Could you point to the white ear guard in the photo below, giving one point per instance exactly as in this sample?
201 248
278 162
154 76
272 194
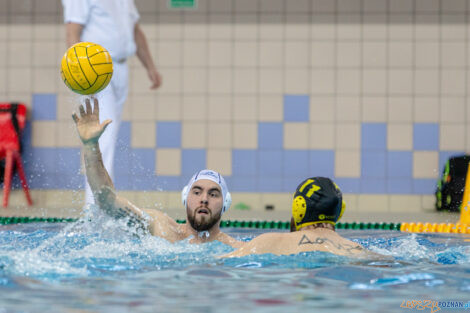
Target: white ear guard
225 207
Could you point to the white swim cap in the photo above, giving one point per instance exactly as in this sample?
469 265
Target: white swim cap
216 178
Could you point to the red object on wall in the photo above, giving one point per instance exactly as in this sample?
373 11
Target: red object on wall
10 146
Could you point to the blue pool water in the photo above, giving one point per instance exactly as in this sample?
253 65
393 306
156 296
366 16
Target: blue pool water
101 266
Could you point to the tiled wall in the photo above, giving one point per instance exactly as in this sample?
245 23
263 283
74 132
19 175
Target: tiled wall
372 93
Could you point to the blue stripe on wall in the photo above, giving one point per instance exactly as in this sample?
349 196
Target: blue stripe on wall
426 136
296 108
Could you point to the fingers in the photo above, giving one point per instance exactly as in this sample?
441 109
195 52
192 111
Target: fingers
75 117
82 110
96 107
88 106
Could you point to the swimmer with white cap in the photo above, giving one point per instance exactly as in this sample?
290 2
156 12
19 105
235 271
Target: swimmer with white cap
205 197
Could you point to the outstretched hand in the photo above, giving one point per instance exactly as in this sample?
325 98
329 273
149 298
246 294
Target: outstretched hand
88 124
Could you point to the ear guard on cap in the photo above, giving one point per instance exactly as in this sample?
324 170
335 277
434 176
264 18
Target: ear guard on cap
225 207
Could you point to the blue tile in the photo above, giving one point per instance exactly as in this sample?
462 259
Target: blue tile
400 164
374 136
269 184
143 162
193 160
144 182
296 108
68 161
124 135
400 186
44 107
289 184
426 136
169 134
348 185
123 182
270 135
244 162
270 162
373 164
296 163
243 184
70 181
424 186
445 155
169 183
123 158
373 185
45 161
322 163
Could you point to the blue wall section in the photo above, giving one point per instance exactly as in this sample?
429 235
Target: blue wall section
169 134
426 136
296 108
44 107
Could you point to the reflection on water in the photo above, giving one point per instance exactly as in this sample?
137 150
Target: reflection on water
99 265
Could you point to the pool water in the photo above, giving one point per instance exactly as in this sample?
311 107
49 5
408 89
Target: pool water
102 266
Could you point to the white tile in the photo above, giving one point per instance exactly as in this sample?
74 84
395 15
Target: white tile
374 54
195 81
348 109
280 201
454 6
427 6
3 55
168 108
426 110
245 135
348 6
271 53
400 109
297 81
243 6
324 6
323 27
194 53
172 29
405 203
143 135
453 82
322 136
245 54
245 109
347 163
220 81
168 162
143 107
400 54
426 54
348 82
322 81
427 27
21 31
44 134
348 136
19 53
296 136
426 82
373 26
219 108
271 6
452 136
400 27
19 80
139 80
453 54
220 53
323 54
271 108
322 109
298 6
3 82
296 54
67 135
425 164
245 81
4 28
220 160
221 6
373 203
348 26
194 108
374 82
169 53
270 81
219 135
45 54
220 27
195 27
271 27
399 136
351 201
400 82
375 6
297 27
452 110
374 109
453 27
246 27
172 81
194 135
348 54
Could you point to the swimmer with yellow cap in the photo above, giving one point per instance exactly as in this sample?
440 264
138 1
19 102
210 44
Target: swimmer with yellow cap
317 205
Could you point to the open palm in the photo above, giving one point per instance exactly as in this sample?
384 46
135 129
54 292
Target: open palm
88 124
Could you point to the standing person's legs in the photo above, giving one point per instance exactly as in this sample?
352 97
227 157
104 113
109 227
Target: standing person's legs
111 101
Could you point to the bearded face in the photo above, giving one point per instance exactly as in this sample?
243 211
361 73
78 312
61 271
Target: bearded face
204 205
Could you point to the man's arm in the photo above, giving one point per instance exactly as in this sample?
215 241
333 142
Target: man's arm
145 57
73 32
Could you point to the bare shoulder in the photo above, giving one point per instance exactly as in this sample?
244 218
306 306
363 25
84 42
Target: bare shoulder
161 225
229 240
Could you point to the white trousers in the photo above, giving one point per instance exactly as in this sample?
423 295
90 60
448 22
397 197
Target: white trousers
111 101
